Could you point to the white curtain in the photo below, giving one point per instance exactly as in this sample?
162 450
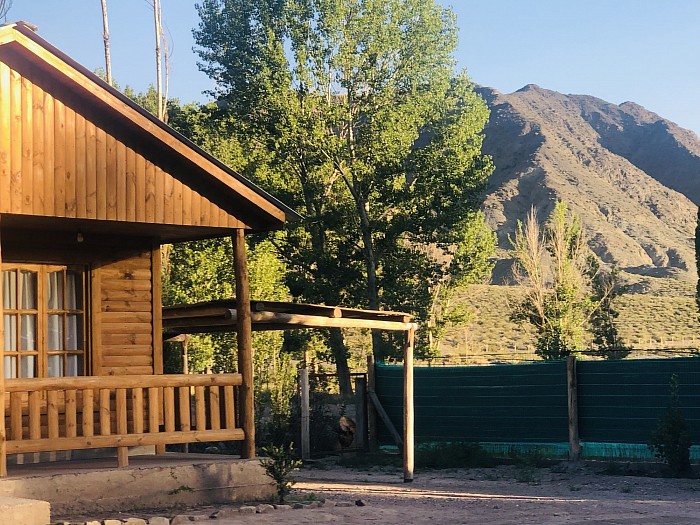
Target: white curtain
54 332
54 290
10 367
9 289
10 332
27 285
73 291
55 366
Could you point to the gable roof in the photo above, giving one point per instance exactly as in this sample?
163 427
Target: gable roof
212 194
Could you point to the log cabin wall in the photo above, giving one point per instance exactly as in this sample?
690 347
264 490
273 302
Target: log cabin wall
124 295
122 324
69 159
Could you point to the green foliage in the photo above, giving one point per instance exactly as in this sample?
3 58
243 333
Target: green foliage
606 288
559 302
279 465
670 440
360 123
471 263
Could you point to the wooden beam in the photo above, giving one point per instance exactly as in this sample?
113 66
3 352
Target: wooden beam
318 321
245 343
128 440
3 431
385 418
371 411
127 381
157 311
408 413
305 414
572 389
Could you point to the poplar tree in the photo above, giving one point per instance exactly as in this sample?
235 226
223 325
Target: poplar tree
369 132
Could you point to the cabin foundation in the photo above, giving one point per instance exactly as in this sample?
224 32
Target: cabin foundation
168 481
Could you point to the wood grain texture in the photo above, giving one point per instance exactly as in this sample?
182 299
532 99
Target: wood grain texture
59 160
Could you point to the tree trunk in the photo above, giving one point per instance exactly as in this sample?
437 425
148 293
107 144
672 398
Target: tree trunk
371 267
159 76
105 37
340 353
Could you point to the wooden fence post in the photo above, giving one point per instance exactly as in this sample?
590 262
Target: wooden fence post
245 345
361 413
371 411
305 412
3 431
408 415
572 389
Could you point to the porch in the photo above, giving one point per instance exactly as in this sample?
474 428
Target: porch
164 481
77 413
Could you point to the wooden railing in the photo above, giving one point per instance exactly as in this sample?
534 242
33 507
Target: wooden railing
108 411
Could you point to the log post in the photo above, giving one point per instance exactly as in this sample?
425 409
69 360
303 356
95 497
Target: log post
408 416
572 388
371 411
361 413
305 414
3 433
245 343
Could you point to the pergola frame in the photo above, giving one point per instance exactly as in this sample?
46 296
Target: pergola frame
230 315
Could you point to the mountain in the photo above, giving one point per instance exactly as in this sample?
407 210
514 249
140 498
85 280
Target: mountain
632 176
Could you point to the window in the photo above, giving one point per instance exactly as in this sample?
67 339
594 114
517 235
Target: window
44 320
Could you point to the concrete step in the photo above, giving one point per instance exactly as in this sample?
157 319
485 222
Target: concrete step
21 511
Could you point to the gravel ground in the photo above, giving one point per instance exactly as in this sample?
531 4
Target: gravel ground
565 495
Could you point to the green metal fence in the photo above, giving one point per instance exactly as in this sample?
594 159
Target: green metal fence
521 405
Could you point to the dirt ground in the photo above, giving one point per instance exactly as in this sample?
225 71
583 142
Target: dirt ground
560 495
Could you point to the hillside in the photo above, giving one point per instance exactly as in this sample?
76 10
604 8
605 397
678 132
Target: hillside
631 176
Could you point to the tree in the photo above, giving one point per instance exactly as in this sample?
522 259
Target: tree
5 6
607 287
367 131
105 37
670 440
558 302
464 269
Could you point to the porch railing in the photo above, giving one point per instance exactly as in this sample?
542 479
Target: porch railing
76 413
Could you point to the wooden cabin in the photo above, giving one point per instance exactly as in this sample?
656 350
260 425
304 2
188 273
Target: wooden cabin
91 185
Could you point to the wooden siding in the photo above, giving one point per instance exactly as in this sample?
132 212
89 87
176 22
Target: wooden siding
122 293
58 159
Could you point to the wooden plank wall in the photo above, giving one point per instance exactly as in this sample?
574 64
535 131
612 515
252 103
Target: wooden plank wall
123 317
55 161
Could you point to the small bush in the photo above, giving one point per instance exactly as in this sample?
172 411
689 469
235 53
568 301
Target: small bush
670 440
279 465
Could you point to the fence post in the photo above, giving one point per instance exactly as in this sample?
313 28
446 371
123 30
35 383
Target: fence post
408 415
305 438
361 413
572 389
371 411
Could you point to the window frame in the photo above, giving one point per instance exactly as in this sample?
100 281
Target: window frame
42 312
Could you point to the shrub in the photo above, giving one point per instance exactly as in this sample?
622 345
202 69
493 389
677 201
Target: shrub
279 465
670 440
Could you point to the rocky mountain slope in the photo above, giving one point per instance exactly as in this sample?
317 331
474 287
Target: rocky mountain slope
632 176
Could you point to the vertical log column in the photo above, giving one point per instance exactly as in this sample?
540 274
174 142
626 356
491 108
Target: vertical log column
245 344
305 414
371 411
408 417
572 388
3 433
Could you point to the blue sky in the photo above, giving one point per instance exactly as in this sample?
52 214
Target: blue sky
646 51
